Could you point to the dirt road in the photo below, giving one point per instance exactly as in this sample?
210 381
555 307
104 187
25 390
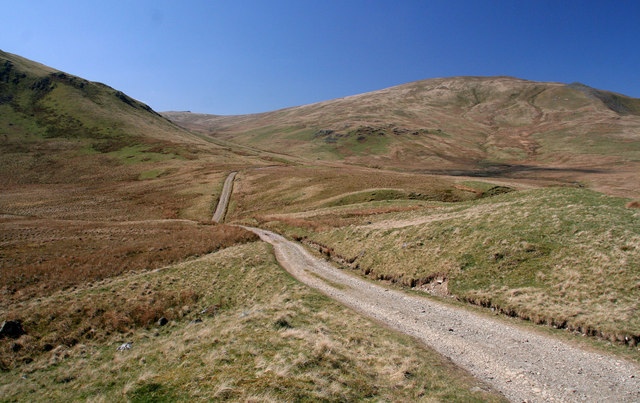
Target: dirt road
520 363
221 208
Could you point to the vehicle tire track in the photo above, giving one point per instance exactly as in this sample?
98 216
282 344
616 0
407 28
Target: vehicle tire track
520 363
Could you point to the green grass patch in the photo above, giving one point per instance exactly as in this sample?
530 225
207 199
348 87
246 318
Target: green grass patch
561 256
139 153
152 174
152 392
262 336
331 283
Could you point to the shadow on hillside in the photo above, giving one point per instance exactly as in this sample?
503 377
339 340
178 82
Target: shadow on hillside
509 171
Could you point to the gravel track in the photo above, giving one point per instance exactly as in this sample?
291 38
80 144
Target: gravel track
522 364
221 208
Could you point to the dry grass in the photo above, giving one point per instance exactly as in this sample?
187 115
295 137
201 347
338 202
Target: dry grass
563 257
40 256
281 190
329 220
491 126
93 186
73 217
263 336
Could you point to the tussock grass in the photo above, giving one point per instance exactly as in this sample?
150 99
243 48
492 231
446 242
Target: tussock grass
280 190
478 126
562 257
263 337
40 256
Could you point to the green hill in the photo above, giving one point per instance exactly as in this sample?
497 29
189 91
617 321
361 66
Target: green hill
50 119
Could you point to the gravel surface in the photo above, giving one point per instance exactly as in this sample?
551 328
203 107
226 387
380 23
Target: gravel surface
221 208
520 363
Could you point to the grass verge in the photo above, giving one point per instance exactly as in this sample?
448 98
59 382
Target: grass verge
252 333
563 257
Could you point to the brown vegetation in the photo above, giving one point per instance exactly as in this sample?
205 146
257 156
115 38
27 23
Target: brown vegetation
239 328
40 256
277 191
323 222
472 126
381 210
61 325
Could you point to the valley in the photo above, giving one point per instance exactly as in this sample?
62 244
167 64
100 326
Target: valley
508 201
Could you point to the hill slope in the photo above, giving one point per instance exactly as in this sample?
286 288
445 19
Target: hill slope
37 100
96 189
476 126
81 164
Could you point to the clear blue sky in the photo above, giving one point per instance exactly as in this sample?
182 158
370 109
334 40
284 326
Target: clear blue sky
231 57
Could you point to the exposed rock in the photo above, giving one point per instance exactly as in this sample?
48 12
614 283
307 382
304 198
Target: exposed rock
633 204
12 329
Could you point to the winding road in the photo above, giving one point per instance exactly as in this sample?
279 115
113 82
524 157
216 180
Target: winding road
522 364
221 208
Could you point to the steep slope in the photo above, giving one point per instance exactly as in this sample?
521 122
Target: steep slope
37 100
49 120
477 126
94 183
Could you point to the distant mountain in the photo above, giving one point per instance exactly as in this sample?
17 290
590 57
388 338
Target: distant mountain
462 125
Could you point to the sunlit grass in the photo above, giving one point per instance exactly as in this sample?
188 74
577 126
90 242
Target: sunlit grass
263 336
565 257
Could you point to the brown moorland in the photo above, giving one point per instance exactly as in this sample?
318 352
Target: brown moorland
96 188
96 191
499 127
94 185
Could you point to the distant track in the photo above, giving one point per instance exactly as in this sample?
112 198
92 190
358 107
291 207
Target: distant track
522 364
221 208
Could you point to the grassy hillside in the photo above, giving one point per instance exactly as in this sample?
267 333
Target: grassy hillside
282 189
475 126
39 102
97 191
562 257
83 170
240 329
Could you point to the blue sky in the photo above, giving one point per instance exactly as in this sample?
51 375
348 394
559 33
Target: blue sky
232 57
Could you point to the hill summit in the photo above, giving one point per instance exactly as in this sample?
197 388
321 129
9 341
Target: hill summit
477 126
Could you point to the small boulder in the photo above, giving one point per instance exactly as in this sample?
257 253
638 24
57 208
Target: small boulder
12 329
125 346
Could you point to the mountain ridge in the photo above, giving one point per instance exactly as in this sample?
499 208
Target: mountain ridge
39 100
451 125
